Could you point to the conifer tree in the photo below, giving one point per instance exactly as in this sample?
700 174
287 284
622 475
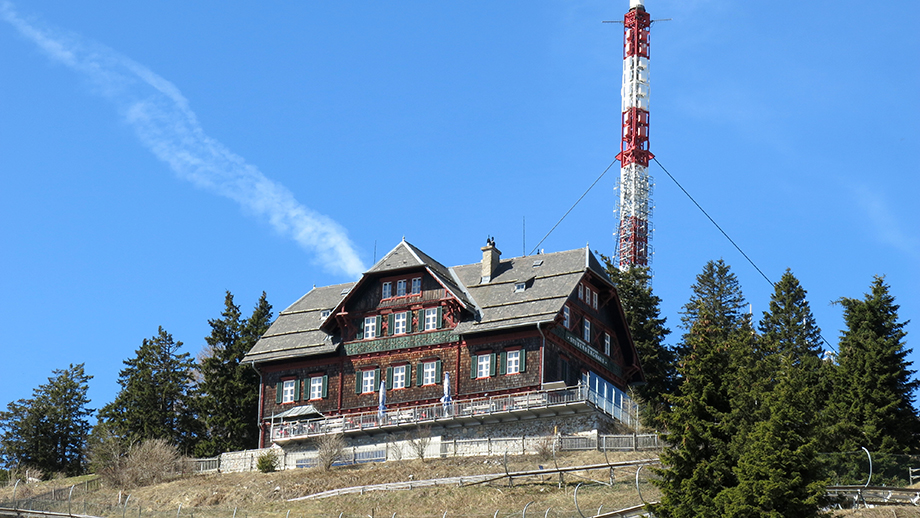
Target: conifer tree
648 330
716 293
776 464
230 389
49 431
156 400
699 466
872 400
788 330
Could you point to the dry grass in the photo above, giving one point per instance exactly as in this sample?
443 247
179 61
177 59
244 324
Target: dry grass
257 495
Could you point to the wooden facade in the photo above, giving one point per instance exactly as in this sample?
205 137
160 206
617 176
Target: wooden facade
492 328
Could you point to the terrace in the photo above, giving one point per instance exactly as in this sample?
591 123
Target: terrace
493 409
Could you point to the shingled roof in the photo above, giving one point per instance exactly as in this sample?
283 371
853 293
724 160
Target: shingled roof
296 332
549 280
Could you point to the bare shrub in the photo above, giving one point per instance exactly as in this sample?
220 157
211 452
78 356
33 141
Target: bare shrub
329 448
150 462
419 439
545 447
394 451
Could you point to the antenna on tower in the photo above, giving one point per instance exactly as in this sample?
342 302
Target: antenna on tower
634 186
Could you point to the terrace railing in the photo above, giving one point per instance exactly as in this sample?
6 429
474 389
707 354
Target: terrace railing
439 412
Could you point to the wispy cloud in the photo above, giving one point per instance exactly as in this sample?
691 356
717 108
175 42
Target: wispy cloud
161 117
887 227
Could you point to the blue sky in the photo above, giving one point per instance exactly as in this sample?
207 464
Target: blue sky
156 155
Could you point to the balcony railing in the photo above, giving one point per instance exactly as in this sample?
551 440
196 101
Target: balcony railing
478 408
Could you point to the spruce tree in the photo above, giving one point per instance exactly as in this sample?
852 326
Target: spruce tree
776 460
872 400
716 293
156 400
648 330
49 431
788 331
699 465
230 389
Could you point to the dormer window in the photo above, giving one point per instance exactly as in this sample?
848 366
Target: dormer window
401 288
387 290
324 314
519 287
416 285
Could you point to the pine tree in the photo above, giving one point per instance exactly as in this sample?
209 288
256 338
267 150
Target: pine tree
230 389
716 293
788 330
788 324
49 430
647 327
700 464
872 400
156 400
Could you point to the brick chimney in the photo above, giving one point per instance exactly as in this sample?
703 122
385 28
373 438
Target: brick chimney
490 258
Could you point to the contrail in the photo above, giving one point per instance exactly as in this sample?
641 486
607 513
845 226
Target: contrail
163 122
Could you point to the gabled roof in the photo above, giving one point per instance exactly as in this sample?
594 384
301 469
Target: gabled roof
549 281
405 256
296 332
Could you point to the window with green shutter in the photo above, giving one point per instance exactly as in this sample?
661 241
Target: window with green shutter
389 378
492 363
440 317
502 362
296 390
279 388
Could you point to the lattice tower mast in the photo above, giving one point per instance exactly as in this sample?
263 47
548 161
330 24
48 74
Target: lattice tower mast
634 185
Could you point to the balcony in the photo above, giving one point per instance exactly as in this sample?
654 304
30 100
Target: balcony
495 409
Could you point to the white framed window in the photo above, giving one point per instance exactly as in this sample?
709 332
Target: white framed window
483 365
513 362
594 296
316 387
587 295
431 319
587 331
566 321
387 290
416 285
399 323
401 288
520 286
581 293
429 373
368 381
399 377
607 344
287 393
370 327
324 314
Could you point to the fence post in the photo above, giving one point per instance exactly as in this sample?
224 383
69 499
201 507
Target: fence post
523 445
490 446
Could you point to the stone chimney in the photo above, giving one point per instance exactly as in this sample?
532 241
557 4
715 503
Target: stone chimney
490 258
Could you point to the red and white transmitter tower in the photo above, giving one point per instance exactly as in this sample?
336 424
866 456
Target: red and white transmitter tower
634 204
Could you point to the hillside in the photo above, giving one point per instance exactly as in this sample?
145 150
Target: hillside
258 494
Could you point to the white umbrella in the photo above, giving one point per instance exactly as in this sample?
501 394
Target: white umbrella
446 398
382 408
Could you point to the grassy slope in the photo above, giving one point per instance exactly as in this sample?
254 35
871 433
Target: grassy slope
258 494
